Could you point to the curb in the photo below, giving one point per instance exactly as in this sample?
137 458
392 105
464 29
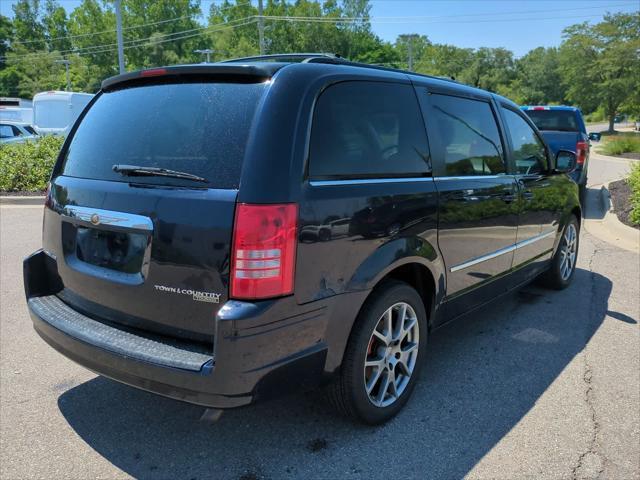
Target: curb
610 229
22 200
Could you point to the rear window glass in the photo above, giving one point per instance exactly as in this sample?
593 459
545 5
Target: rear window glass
559 120
365 129
195 128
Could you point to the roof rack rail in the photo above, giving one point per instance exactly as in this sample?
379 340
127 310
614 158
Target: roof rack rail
288 57
332 58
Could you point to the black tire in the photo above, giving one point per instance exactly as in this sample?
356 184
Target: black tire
554 277
348 393
324 235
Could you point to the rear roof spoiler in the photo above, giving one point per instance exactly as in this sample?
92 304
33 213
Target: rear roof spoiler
247 73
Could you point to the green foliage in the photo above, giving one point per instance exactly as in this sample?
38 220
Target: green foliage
538 78
26 167
596 116
622 144
634 182
600 64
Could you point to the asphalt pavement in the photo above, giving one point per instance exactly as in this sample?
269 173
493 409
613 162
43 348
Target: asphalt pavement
543 384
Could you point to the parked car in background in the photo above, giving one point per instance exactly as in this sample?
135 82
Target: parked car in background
16 132
180 254
16 109
563 128
54 112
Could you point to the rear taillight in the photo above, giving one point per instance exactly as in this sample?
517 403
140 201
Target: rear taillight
581 152
264 250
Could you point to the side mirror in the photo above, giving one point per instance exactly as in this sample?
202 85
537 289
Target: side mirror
595 136
566 161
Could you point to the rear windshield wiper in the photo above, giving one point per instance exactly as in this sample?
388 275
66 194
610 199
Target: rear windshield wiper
139 171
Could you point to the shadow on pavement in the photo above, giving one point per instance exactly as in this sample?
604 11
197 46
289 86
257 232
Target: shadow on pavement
484 373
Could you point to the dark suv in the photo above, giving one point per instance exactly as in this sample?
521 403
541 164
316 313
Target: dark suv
223 233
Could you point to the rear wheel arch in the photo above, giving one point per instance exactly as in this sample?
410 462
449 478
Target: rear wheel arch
420 278
416 275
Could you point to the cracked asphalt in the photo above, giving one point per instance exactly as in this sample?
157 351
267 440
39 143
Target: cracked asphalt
542 384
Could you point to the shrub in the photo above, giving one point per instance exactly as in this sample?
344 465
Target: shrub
621 144
634 182
26 167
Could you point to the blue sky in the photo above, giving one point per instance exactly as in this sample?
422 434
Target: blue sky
517 25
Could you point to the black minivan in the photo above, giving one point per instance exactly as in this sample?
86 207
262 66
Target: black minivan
223 233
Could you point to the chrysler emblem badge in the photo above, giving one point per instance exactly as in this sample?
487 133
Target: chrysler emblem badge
95 219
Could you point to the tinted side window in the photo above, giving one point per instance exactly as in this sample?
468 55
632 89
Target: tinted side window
6 131
529 153
367 129
467 135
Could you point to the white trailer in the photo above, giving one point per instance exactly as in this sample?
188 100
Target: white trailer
54 112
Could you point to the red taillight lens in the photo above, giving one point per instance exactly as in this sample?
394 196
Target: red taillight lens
581 152
264 250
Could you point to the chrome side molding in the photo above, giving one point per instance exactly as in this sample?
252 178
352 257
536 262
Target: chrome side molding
502 251
366 181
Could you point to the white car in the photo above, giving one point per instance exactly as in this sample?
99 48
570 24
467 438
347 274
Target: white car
16 132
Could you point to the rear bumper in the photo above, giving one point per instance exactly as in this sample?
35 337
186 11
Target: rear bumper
261 349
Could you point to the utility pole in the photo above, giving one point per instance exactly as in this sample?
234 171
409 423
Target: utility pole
119 36
66 64
409 38
261 26
206 51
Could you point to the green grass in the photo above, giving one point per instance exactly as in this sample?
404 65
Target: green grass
634 182
26 167
621 143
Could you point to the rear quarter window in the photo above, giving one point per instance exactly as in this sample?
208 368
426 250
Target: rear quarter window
197 128
366 130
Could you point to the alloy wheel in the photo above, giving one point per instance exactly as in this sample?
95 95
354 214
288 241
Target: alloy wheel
568 251
391 354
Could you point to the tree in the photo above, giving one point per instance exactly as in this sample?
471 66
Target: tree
27 27
490 68
55 26
153 31
6 33
445 60
537 78
415 44
600 63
